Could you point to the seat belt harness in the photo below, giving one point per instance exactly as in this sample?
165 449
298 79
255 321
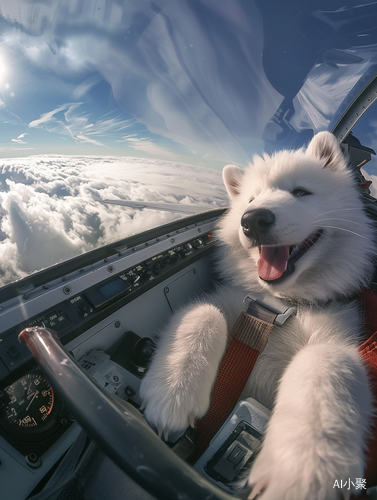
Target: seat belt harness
248 338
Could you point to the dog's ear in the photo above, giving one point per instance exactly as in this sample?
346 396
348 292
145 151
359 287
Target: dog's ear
325 147
232 177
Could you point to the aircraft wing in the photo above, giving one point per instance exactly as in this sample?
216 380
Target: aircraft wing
167 207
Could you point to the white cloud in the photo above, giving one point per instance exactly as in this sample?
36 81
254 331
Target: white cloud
87 139
19 139
147 146
69 119
48 117
85 86
51 208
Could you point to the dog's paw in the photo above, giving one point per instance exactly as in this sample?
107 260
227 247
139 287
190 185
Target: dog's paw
304 470
171 407
176 389
274 479
277 478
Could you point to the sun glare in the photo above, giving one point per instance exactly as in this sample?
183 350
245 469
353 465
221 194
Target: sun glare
4 73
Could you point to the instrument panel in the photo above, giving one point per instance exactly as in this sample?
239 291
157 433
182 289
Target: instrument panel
31 416
72 316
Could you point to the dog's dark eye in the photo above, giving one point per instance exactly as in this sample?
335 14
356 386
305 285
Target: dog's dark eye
299 192
251 199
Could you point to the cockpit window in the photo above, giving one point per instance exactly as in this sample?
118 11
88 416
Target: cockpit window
141 101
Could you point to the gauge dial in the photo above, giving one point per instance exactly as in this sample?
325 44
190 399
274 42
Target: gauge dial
31 401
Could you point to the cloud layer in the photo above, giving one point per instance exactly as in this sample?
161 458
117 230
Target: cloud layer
50 208
50 205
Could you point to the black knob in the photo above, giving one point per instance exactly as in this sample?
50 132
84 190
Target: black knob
133 278
83 309
142 353
197 243
173 257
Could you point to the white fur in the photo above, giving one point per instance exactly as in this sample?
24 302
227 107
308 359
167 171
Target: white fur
178 385
310 372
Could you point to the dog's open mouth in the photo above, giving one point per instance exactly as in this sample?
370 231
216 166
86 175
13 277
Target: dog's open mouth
278 262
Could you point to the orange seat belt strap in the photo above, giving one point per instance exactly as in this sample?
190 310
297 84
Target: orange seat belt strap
368 351
248 338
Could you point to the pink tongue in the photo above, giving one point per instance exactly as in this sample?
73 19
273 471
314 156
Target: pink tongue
272 262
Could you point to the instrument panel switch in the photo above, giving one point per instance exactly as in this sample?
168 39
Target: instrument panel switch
129 391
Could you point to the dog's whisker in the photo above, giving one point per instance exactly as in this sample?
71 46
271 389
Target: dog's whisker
236 210
347 230
338 210
338 218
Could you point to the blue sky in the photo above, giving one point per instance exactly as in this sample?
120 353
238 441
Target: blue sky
72 81
55 95
41 113
185 81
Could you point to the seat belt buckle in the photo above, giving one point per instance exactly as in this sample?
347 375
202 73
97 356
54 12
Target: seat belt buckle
234 447
269 308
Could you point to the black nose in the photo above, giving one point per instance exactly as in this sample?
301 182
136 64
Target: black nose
256 223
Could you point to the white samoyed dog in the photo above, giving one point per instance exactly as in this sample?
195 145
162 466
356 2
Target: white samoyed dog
296 229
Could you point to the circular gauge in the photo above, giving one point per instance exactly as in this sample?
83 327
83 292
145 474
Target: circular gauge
31 400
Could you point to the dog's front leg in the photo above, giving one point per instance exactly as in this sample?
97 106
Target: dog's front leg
318 428
176 389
